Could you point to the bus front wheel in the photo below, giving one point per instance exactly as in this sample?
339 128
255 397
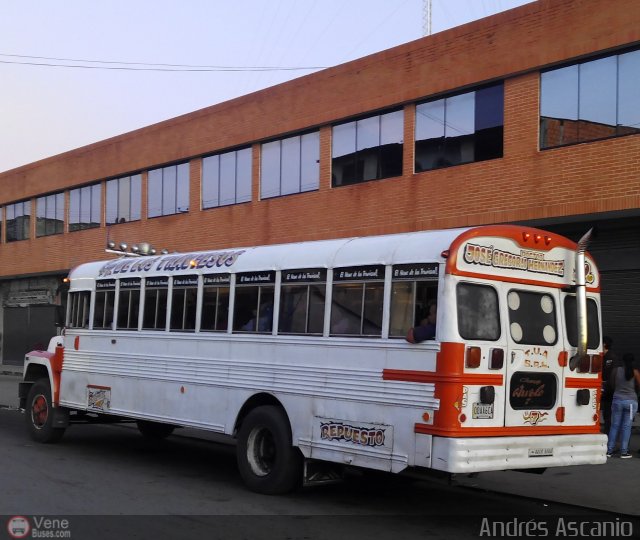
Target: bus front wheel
268 462
40 413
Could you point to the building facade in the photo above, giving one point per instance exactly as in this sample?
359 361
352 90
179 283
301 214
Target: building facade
529 116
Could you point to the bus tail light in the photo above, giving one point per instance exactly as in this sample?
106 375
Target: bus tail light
583 396
472 360
596 363
496 360
487 395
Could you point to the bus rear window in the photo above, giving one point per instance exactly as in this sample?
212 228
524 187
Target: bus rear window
593 324
532 318
478 314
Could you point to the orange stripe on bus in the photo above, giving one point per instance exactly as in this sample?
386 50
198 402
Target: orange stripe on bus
433 377
56 368
575 382
499 431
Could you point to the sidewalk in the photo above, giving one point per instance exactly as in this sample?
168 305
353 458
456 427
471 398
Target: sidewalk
612 487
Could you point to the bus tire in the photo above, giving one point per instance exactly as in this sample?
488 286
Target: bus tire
268 462
154 431
39 413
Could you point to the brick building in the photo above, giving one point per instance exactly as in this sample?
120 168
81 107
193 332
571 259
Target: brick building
528 116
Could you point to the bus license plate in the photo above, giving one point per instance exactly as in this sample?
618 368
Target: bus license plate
540 452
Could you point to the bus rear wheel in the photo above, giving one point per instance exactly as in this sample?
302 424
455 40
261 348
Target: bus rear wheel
267 461
40 414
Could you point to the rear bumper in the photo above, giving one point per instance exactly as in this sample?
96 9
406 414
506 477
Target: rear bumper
473 454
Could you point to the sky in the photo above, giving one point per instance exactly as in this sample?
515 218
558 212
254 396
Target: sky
142 60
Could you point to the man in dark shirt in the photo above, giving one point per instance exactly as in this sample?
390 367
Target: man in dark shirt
427 327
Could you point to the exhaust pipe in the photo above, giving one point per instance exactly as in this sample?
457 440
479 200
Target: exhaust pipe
581 301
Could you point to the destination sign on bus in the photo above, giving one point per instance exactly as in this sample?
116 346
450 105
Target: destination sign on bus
526 260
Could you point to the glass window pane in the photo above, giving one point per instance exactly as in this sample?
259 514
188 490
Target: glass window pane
290 181
593 323
478 313
489 123
243 175
460 115
344 139
154 195
265 309
245 309
310 161
270 170
293 309
315 323
96 209
372 312
210 181
177 309
402 308
629 92
59 213
559 106
50 215
74 209
124 199
532 318
346 309
392 128
136 197
227 178
597 98
111 213
169 185
85 207
368 133
182 202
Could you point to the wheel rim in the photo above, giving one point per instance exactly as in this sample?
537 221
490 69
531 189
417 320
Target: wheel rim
261 451
39 411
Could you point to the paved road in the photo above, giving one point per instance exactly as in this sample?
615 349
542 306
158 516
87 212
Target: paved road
189 488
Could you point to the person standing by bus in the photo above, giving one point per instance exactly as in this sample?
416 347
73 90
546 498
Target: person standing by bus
610 360
624 380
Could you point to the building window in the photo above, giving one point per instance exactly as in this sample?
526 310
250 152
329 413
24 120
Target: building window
18 221
592 100
124 199
302 299
290 165
367 149
168 190
460 129
356 302
226 178
50 215
85 207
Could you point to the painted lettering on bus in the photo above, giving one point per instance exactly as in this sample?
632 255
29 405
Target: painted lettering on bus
526 260
172 263
338 431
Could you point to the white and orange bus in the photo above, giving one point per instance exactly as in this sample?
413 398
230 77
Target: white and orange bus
299 352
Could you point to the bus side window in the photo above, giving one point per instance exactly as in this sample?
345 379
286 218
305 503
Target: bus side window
79 315
128 304
105 299
254 296
410 297
184 300
302 300
215 309
155 304
357 302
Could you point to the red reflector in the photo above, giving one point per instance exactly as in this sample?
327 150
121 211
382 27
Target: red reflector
76 343
497 359
562 358
473 357
445 254
463 418
560 414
